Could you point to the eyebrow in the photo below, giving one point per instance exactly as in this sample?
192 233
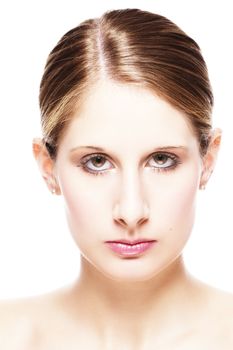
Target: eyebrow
103 150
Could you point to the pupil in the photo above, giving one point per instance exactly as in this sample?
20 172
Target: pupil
161 158
98 160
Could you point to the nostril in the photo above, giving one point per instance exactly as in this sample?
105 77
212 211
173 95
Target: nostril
132 224
142 220
121 221
131 217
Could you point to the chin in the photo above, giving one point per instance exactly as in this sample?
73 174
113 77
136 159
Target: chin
132 270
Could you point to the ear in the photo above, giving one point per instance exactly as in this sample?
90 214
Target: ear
210 158
45 164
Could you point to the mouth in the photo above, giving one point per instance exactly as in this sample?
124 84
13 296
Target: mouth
132 242
130 248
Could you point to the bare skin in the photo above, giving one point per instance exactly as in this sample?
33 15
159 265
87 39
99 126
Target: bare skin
188 314
147 302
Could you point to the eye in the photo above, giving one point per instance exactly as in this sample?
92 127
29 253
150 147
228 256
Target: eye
96 164
164 161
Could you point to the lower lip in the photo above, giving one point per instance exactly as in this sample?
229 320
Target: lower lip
130 250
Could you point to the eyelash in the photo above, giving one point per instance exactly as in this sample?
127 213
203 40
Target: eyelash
171 156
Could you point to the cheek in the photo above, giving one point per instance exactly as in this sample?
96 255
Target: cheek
80 210
174 197
177 205
83 206
172 203
182 200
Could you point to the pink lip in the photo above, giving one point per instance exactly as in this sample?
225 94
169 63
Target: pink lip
126 241
127 249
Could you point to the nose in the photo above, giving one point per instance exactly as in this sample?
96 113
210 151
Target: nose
131 209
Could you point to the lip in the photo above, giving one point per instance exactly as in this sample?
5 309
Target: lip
123 248
127 241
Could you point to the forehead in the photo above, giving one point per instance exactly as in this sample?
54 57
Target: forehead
113 113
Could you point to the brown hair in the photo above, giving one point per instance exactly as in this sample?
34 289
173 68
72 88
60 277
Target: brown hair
128 46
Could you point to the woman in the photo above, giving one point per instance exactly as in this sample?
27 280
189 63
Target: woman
126 107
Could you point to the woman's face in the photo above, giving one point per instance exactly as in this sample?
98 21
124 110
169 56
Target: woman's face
142 184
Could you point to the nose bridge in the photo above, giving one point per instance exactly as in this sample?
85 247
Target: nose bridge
131 207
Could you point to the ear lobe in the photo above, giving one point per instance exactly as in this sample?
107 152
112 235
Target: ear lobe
45 164
210 158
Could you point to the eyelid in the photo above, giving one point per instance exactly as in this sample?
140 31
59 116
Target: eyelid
159 150
93 155
88 157
172 156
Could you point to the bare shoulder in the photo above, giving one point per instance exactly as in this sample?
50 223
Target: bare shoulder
15 325
224 306
222 303
218 316
21 320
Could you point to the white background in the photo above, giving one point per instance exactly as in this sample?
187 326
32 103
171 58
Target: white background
37 253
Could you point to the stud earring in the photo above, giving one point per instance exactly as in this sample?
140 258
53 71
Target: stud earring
53 190
202 187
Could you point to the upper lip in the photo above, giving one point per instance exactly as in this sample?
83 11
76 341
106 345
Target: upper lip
126 241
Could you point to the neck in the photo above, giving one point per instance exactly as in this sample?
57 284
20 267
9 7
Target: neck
112 295
136 306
